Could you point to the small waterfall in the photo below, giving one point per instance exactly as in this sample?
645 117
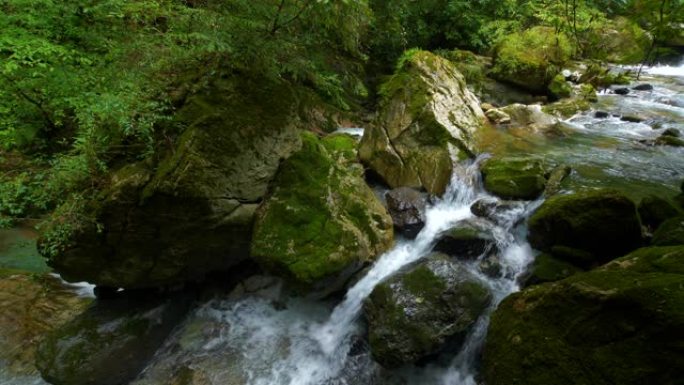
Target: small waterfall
307 342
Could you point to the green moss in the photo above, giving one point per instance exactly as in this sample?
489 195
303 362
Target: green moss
546 268
532 58
612 325
566 108
670 233
559 87
321 217
514 178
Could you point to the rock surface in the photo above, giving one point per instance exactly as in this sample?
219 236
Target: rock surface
670 232
514 178
111 342
426 116
654 210
417 312
321 222
467 240
407 208
619 324
586 228
531 117
193 212
32 306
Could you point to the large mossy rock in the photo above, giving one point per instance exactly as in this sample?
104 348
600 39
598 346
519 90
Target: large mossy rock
321 222
546 268
111 342
654 210
514 178
670 232
622 323
531 59
426 116
190 214
586 228
32 306
419 311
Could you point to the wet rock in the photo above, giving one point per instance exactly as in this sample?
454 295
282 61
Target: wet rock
422 309
643 87
495 210
670 232
111 342
491 266
632 118
654 210
407 208
567 108
321 222
468 239
426 109
671 132
32 306
497 116
621 91
530 116
546 268
514 178
601 114
597 225
193 212
618 324
556 177
487 106
668 140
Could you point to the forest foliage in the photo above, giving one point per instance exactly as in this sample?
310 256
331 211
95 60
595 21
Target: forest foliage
84 83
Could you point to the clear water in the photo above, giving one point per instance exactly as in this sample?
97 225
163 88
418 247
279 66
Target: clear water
264 335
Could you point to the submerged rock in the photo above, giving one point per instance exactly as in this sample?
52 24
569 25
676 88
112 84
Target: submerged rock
669 140
619 324
192 213
514 178
32 306
643 87
111 342
586 228
321 222
468 240
407 208
419 311
670 233
426 115
621 91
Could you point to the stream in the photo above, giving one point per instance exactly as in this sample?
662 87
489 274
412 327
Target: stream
262 334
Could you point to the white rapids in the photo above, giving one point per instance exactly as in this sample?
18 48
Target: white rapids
305 342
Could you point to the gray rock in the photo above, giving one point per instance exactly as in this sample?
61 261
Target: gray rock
643 87
468 239
407 208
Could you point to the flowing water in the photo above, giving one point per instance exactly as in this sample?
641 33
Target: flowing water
302 342
262 334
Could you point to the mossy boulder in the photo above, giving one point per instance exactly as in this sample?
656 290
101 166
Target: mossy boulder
32 306
559 87
530 59
467 239
670 232
567 108
618 324
321 222
419 311
514 178
427 117
654 210
546 268
586 228
190 214
112 341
